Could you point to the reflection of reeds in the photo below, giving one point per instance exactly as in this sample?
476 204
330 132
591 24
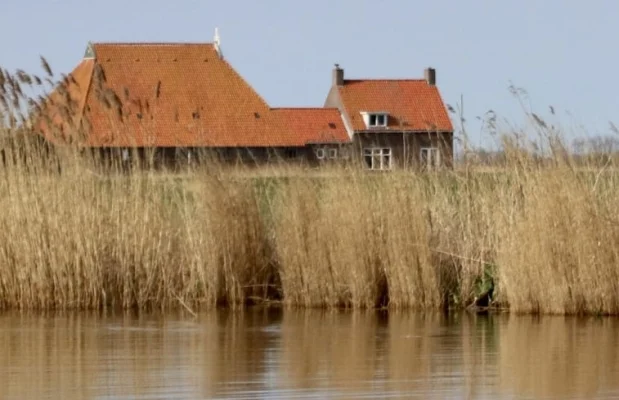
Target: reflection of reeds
541 230
75 357
328 349
558 357
423 355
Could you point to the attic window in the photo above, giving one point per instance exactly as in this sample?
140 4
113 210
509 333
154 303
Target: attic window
331 125
256 115
377 120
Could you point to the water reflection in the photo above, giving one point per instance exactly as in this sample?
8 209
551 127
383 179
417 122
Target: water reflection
318 354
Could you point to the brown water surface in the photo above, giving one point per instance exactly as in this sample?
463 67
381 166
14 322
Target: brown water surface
307 354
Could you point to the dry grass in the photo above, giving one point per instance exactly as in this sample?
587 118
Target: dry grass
541 234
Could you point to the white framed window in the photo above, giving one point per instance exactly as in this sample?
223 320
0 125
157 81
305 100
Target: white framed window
332 154
377 158
125 154
430 157
320 153
377 120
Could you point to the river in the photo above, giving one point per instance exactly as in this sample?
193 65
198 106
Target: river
274 354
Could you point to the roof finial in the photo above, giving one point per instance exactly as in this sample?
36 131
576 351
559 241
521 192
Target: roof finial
217 42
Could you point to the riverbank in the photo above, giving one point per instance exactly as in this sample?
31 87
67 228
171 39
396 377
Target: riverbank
531 238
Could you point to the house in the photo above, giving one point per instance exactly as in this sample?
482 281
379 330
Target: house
175 102
396 123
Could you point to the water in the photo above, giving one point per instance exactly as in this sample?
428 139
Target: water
307 354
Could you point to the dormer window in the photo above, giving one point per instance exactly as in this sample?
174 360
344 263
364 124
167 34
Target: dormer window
375 119
378 120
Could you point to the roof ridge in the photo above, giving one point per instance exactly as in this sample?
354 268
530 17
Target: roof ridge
153 43
386 80
304 108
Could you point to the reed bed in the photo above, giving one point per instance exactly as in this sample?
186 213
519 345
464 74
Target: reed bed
533 235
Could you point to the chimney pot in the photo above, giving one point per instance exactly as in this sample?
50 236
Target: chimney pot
430 75
338 76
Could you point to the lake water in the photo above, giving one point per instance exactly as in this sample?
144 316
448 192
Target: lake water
307 354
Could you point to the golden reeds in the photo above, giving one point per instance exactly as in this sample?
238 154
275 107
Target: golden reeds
537 234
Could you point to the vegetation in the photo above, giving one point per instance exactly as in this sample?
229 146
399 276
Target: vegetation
536 235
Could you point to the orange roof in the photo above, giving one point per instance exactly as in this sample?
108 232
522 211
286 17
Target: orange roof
176 95
412 105
64 106
312 125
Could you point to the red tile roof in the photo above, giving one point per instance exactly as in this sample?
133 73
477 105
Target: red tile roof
412 105
312 125
63 106
180 95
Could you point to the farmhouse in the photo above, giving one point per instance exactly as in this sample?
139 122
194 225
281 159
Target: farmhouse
178 101
394 122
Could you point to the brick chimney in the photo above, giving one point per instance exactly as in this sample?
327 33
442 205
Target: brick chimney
430 75
338 76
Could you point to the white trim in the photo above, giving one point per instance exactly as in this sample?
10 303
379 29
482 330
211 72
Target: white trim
332 153
347 125
320 153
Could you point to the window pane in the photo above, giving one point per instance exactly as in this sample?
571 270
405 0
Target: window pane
368 161
372 120
376 162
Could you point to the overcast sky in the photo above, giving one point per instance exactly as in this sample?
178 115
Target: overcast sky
563 53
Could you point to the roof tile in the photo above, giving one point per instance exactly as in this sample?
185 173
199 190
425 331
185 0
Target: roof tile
303 126
412 104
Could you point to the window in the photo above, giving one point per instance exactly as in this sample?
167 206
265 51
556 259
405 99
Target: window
125 155
290 153
320 153
377 158
378 120
332 154
430 157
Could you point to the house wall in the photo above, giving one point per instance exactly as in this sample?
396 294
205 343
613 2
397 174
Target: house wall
405 150
405 147
330 154
178 158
